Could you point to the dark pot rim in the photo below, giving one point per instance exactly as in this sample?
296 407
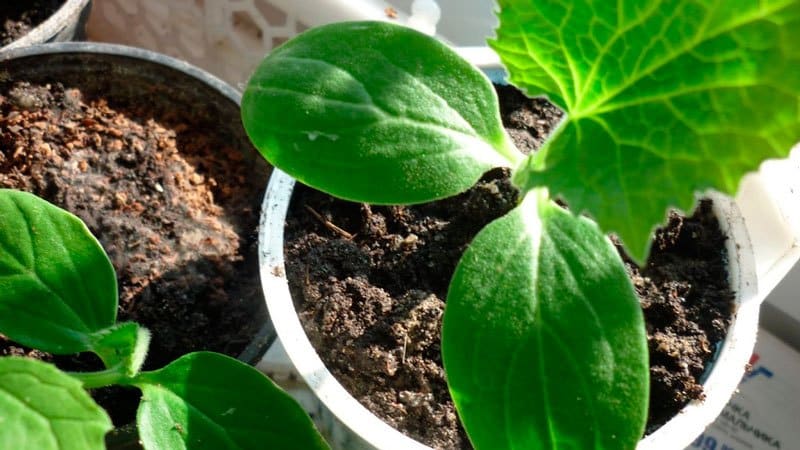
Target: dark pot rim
266 335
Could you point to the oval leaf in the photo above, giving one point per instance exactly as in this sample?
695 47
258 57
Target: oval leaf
57 285
663 98
376 112
43 408
206 400
543 337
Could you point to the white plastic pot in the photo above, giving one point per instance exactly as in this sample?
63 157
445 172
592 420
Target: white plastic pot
350 425
66 24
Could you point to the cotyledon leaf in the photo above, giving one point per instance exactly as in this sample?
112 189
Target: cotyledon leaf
206 400
543 338
664 98
43 408
57 286
376 112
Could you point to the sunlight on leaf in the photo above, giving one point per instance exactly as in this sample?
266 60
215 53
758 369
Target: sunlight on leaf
57 285
543 338
206 400
379 113
43 408
663 99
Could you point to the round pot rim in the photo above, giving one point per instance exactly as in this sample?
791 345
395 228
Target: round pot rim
266 335
104 48
720 383
70 11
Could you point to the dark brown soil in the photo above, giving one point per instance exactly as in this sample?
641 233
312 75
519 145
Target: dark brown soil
21 16
372 304
174 205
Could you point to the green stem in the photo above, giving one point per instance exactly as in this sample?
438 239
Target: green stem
102 378
526 175
523 177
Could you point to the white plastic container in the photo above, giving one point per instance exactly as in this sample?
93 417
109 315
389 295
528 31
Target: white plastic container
66 24
763 414
351 426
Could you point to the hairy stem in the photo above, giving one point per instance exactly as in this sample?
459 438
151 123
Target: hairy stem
108 377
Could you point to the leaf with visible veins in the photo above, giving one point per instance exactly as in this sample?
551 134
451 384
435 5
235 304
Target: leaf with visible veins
663 99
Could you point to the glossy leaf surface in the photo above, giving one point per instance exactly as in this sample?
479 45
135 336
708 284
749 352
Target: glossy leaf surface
543 337
664 98
210 401
57 285
43 408
376 112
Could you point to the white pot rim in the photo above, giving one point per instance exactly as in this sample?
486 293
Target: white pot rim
290 331
68 13
678 433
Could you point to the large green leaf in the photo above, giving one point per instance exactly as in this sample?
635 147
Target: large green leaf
43 408
543 338
210 401
57 285
375 112
663 98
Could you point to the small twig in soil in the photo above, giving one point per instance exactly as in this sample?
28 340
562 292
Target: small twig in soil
330 225
405 345
367 212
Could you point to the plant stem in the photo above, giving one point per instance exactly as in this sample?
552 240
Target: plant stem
102 378
526 175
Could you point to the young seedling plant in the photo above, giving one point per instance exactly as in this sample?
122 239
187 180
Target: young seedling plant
58 294
543 339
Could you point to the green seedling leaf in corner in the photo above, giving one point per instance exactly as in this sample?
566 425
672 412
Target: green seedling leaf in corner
44 409
557 348
58 294
210 401
663 99
58 286
379 113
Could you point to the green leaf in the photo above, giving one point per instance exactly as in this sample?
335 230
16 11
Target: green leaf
663 98
43 408
57 285
123 345
543 338
376 112
210 401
